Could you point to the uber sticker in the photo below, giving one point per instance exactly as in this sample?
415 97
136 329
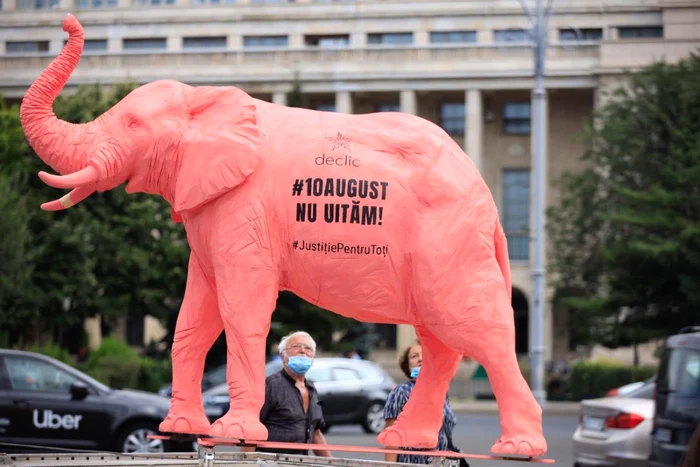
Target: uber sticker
54 421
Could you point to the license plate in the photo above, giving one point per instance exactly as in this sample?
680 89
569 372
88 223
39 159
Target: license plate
663 435
593 423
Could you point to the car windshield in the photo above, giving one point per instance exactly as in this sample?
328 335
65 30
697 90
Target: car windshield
679 372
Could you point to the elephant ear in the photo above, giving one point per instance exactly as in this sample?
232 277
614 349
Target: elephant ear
219 148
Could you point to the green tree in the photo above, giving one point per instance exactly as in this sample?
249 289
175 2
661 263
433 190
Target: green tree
296 97
115 254
626 234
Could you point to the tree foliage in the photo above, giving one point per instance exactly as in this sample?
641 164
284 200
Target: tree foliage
626 234
115 255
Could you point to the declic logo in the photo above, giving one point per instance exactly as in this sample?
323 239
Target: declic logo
340 161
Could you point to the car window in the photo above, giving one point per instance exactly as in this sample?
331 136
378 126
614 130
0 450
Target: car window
29 374
346 374
216 376
689 376
679 372
646 391
319 374
370 372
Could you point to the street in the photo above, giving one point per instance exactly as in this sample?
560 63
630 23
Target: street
474 433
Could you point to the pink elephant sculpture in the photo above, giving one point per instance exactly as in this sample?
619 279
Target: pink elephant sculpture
379 217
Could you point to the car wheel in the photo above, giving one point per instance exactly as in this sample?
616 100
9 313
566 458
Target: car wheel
134 438
374 418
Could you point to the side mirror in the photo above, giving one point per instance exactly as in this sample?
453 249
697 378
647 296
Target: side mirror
79 390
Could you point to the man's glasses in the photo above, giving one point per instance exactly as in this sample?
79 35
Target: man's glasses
299 348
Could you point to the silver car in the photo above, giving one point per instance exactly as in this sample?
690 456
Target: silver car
616 431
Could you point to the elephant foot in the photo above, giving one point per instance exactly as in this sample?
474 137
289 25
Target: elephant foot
186 422
522 445
238 426
399 437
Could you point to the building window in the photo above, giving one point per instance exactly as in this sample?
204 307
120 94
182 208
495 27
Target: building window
18 47
325 107
152 2
37 4
95 3
329 41
92 45
510 35
453 117
638 32
145 44
452 37
390 38
516 118
586 34
265 41
516 212
204 42
387 108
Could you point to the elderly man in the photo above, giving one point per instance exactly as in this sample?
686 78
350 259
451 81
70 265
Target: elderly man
288 417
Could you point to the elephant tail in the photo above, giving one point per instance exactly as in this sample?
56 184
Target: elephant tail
501 244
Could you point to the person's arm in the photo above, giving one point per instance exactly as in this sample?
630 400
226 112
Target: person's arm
388 457
318 438
392 408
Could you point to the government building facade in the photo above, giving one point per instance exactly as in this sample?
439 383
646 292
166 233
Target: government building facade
465 65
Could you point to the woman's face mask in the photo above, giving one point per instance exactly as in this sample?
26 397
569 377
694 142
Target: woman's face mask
414 372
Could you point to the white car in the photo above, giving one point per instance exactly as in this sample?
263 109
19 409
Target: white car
616 431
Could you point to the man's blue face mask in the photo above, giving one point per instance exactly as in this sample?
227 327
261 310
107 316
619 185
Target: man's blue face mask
299 364
414 372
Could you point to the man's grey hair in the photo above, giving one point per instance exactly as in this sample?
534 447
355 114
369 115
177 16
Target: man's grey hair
283 343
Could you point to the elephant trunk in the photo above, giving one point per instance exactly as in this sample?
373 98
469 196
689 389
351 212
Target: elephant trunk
58 143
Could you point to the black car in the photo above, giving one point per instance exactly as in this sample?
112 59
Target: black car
44 402
210 379
677 409
353 391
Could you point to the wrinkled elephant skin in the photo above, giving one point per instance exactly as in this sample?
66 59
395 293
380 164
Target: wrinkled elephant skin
379 217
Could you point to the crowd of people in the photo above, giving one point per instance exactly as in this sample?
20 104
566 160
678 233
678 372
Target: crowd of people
289 418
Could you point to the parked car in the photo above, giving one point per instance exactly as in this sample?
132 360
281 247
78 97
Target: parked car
353 391
616 431
677 411
627 388
48 403
210 379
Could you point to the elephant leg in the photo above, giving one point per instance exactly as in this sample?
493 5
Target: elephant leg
482 326
198 326
420 420
247 299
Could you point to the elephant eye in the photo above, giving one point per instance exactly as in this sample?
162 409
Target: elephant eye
133 123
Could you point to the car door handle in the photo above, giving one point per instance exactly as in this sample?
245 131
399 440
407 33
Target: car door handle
21 402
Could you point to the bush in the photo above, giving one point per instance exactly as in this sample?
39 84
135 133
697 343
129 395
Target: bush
115 364
590 380
52 350
153 374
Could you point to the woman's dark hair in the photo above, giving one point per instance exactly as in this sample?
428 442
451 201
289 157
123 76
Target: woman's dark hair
403 360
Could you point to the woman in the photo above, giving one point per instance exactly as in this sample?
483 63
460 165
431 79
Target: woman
410 363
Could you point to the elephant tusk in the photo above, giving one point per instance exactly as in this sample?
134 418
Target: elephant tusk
69 200
83 176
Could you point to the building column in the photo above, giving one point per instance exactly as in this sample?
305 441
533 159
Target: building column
474 142
279 98
343 102
405 336
8 5
93 329
408 102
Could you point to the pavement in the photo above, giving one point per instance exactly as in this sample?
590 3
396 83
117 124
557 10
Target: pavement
490 407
